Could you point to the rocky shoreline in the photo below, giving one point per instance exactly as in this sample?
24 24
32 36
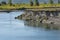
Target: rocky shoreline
38 17
42 18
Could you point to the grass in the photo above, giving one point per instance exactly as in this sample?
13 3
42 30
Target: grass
16 6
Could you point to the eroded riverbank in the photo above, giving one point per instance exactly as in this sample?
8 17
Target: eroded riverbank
52 18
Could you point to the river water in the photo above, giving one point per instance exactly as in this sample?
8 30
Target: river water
14 29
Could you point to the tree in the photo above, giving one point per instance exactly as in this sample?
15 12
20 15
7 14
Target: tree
0 4
10 2
3 2
58 1
51 1
31 3
36 3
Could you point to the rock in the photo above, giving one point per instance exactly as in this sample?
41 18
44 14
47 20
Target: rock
38 17
52 23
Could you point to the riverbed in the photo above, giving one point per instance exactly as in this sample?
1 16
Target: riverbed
14 29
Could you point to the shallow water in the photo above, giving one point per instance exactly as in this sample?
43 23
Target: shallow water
14 29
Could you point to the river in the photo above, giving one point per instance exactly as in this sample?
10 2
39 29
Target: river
14 29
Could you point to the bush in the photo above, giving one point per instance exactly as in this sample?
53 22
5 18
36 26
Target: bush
36 3
3 2
31 3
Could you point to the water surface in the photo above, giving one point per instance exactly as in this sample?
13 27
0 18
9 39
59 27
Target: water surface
14 29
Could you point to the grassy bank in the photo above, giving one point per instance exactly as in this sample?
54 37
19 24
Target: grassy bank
17 6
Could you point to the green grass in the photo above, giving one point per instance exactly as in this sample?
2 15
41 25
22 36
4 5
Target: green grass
16 6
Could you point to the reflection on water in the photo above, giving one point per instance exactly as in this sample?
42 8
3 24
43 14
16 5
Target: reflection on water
40 25
14 29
